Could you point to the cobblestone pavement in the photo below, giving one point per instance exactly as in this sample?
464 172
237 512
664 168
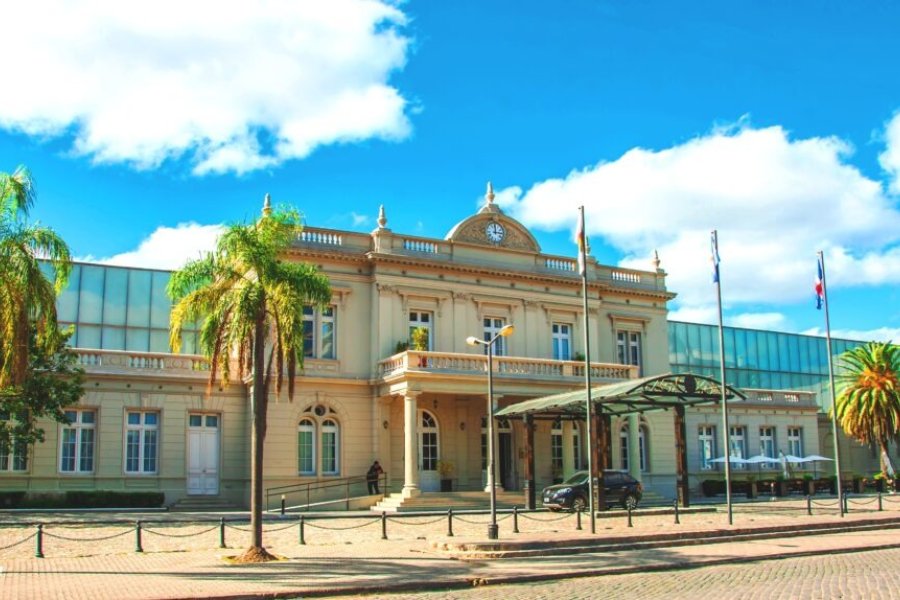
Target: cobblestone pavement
873 575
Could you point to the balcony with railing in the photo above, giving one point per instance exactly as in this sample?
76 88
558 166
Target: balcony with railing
156 363
505 366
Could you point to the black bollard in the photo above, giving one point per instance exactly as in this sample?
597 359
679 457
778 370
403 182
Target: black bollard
578 520
880 507
809 505
282 505
846 505
450 523
137 538
515 519
677 519
39 542
302 538
383 525
222 532
628 508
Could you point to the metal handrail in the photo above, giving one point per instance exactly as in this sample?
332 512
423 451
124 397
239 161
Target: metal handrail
309 487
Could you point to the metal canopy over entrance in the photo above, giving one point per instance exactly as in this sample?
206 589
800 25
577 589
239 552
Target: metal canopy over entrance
660 392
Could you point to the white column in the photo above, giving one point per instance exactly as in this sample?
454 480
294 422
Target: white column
497 479
634 446
410 446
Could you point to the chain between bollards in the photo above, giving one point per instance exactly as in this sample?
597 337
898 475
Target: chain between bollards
450 522
383 525
677 519
222 532
578 520
137 538
39 542
302 538
515 519
808 505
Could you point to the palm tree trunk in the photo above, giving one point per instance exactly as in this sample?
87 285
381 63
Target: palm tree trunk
887 466
258 434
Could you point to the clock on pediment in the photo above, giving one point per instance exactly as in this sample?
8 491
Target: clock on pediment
495 232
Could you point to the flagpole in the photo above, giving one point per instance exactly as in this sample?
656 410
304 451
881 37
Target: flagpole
834 423
725 431
582 265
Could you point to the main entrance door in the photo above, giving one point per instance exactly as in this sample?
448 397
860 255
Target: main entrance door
429 451
203 454
505 467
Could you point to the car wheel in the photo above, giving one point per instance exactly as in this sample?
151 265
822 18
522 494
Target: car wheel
629 501
579 504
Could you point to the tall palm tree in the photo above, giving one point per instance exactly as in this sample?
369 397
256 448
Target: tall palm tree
27 297
868 402
250 301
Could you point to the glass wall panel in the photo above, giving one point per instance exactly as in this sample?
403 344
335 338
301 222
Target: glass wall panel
88 336
139 298
730 362
115 297
694 353
740 348
67 301
113 338
137 340
160 305
159 341
90 303
709 344
753 349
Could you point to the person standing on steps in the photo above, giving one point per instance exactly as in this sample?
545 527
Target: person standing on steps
372 477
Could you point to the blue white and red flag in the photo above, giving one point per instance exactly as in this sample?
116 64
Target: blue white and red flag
819 286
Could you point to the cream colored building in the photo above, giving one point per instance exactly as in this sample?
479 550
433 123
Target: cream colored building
148 422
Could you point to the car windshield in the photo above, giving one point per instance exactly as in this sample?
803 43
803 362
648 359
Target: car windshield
578 478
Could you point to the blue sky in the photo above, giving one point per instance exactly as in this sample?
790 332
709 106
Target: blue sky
146 125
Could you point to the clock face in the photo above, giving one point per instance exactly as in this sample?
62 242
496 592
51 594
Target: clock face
495 232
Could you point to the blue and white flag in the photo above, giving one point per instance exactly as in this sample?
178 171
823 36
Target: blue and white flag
714 256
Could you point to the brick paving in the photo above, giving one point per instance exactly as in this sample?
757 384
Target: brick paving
348 556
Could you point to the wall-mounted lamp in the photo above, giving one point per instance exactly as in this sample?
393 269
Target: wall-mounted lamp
462 426
385 424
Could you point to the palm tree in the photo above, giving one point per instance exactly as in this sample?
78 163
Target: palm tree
27 297
868 403
250 302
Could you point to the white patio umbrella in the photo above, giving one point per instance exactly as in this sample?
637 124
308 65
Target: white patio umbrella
814 458
735 460
759 460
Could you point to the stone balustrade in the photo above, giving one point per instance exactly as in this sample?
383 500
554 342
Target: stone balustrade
116 360
508 366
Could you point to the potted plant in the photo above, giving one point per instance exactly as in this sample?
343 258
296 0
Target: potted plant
445 469
419 342
402 346
879 482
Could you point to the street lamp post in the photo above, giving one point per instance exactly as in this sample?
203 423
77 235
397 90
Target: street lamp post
493 531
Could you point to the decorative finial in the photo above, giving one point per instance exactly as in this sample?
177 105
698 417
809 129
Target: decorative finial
656 259
267 206
382 220
490 193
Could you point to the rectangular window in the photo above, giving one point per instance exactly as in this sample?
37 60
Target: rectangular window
13 454
562 340
141 442
738 444
767 441
76 453
419 319
556 448
707 437
795 441
492 326
319 332
628 348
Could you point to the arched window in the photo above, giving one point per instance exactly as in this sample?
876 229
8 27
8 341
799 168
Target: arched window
306 447
330 447
428 442
642 441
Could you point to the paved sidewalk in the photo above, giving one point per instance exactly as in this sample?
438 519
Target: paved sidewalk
362 563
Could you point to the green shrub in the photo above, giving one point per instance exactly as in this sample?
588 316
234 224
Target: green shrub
93 499
11 499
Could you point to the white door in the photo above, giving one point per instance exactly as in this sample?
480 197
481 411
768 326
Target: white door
203 455
429 481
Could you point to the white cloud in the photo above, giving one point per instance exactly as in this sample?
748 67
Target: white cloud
695 314
774 200
236 86
768 320
890 158
882 334
168 247
358 219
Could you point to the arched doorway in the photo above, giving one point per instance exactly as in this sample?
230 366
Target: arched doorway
429 452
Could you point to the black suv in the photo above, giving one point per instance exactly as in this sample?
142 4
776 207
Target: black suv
572 494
